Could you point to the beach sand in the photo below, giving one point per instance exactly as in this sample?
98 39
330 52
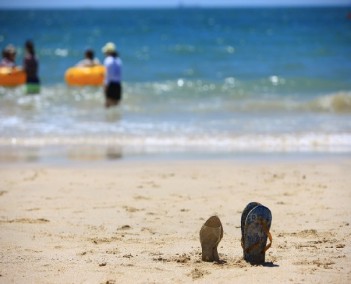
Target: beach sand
139 221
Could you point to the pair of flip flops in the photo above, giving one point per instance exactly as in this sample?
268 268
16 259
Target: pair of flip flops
256 221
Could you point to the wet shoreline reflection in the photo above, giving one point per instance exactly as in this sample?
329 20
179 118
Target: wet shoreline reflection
65 154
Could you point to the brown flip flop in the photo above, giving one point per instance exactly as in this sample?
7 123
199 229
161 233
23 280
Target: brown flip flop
211 234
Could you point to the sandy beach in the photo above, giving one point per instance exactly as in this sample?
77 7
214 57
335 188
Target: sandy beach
139 221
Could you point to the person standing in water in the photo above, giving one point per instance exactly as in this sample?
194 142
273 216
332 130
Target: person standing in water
31 67
112 85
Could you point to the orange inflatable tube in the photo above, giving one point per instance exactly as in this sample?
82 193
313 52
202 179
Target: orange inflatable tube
85 76
12 77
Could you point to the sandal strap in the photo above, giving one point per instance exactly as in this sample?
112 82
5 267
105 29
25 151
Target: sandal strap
270 242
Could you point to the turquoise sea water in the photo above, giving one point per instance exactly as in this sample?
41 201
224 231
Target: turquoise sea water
211 80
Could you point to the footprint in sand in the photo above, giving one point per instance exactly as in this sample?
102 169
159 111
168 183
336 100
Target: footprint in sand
197 273
132 209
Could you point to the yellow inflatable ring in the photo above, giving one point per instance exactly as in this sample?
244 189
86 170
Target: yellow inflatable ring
81 76
11 77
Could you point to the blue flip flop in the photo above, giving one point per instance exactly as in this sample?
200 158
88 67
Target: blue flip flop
246 211
255 231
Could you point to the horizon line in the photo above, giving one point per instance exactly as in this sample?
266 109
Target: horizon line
180 6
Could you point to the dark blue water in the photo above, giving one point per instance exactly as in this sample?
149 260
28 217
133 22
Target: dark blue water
206 44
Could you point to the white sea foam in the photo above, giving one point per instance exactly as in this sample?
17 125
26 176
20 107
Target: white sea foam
179 115
310 142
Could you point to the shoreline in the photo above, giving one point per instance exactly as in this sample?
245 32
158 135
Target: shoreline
102 154
139 221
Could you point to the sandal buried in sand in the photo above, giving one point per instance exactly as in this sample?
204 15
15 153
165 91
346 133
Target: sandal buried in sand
211 234
255 231
246 211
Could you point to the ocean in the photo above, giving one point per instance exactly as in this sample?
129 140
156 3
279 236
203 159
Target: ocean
228 81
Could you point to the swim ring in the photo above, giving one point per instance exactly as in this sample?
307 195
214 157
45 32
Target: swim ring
81 76
11 77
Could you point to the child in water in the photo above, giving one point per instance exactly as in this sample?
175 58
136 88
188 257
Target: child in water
8 56
89 60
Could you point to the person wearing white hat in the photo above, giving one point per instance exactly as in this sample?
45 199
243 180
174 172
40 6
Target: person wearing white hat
113 75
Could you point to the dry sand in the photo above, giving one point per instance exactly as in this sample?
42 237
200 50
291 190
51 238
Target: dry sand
139 222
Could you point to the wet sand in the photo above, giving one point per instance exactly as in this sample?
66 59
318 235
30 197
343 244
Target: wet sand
139 221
